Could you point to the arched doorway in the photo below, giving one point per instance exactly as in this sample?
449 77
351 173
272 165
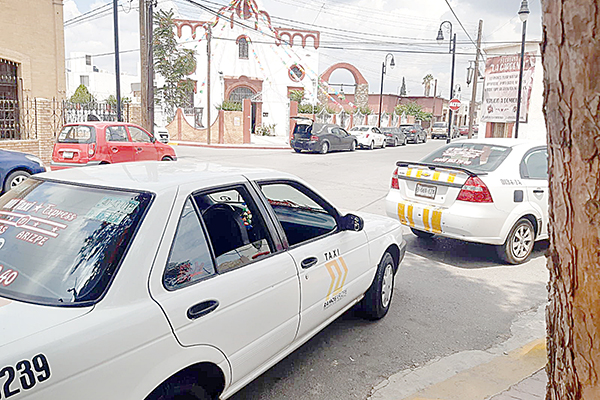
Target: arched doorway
361 94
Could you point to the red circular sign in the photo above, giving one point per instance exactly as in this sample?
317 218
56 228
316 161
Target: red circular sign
454 104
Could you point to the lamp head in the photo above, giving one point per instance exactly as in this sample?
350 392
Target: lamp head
392 64
440 35
524 11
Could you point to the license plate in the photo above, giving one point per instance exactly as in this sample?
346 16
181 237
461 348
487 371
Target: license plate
427 191
68 154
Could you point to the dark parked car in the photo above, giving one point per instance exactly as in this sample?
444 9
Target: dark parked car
394 136
320 138
414 133
15 167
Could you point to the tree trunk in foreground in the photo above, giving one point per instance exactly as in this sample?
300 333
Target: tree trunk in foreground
571 59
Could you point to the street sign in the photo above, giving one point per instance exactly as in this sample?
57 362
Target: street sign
454 104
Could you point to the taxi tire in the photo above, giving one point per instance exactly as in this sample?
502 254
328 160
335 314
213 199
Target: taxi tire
373 306
523 228
324 148
421 234
184 388
298 150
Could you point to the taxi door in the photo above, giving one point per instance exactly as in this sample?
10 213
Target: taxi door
333 264
244 302
534 172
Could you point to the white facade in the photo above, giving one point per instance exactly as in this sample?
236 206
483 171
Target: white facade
101 84
265 70
535 126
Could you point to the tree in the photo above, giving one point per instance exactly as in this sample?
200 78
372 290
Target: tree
427 83
82 95
403 88
572 109
172 63
413 109
297 95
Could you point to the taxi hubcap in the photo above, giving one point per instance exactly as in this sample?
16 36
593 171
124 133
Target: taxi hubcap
388 285
522 242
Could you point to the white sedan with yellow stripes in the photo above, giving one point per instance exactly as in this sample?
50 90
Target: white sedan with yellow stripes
158 281
492 191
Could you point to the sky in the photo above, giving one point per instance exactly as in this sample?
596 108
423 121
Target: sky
366 30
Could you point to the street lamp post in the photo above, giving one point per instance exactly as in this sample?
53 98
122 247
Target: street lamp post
523 14
452 50
382 74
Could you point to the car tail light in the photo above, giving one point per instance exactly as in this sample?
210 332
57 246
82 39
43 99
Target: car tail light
91 149
475 191
368 135
395 179
413 131
313 137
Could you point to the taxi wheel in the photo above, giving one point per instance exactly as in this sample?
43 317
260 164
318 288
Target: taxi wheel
421 234
324 148
519 243
15 179
184 388
378 297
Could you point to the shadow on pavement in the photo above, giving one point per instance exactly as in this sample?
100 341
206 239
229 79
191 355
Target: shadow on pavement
462 254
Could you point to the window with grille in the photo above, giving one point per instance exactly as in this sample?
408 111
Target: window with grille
84 80
243 48
241 93
9 100
88 60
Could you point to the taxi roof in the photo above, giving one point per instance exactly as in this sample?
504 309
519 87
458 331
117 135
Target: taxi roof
155 176
508 142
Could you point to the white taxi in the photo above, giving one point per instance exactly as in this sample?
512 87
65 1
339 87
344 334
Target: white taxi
155 280
492 191
368 136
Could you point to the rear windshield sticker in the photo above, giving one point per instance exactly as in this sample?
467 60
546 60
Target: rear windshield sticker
3 228
2 241
112 210
48 210
7 276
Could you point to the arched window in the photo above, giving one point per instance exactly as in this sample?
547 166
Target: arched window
243 48
240 93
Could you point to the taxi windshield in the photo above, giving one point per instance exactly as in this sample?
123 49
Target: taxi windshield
62 244
477 157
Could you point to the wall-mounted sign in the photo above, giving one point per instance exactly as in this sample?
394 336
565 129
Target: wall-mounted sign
265 114
501 87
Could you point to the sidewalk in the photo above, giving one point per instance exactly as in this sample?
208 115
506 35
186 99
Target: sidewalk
257 142
531 388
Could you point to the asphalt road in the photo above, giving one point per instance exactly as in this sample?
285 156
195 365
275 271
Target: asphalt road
450 296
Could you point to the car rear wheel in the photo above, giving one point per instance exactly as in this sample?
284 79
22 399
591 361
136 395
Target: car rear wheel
383 144
421 234
519 243
396 142
14 179
353 145
324 148
167 158
424 138
378 297
297 150
371 145
184 388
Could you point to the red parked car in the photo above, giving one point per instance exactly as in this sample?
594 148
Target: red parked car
93 143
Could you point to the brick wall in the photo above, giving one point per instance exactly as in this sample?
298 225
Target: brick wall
45 128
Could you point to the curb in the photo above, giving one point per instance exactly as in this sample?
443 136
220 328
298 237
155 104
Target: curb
489 379
230 146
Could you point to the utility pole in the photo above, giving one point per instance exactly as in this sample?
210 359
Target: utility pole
434 97
150 36
117 66
473 103
144 66
208 37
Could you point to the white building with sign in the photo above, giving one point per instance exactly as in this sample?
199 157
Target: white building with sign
498 110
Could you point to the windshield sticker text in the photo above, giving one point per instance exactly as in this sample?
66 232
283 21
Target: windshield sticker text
7 276
47 210
112 210
3 228
30 373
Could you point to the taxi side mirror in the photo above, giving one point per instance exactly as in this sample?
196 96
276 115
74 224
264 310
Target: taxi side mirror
351 222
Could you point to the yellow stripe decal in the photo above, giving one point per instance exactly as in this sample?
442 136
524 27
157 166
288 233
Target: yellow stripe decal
436 176
410 215
436 221
451 177
419 172
426 219
345 272
329 267
401 213
408 171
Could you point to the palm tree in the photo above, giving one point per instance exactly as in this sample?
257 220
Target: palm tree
427 83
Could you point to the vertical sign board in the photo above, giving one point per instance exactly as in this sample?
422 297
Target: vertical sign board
501 87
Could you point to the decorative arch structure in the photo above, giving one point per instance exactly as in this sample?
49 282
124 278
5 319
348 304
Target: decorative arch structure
361 94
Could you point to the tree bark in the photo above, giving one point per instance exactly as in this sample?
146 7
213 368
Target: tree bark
571 59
